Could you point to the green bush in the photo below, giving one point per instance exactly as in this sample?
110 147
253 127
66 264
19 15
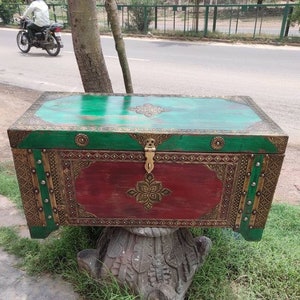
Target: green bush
140 16
295 18
8 9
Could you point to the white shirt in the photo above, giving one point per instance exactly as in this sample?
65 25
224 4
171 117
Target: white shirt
41 13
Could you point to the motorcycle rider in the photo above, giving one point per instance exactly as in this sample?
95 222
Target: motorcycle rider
40 12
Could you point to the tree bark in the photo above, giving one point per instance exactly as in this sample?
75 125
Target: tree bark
112 12
87 46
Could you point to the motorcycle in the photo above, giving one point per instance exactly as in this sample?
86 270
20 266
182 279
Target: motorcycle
49 38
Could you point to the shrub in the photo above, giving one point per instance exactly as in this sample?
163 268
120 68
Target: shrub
8 9
140 16
295 18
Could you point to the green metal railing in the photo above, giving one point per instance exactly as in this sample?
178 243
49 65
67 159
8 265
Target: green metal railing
195 20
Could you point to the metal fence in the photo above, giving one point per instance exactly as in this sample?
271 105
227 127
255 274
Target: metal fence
196 20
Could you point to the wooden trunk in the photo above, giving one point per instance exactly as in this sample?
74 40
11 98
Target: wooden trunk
146 161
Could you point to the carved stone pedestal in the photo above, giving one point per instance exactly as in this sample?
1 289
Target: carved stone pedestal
157 263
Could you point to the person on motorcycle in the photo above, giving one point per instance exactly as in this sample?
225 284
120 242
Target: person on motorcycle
40 11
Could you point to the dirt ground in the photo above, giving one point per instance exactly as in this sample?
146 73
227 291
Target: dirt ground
14 101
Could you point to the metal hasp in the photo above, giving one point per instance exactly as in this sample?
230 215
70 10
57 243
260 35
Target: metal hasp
149 154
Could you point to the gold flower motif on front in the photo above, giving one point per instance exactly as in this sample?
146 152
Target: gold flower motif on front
148 191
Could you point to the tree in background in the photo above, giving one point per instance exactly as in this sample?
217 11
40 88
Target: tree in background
295 17
141 15
87 47
7 9
113 17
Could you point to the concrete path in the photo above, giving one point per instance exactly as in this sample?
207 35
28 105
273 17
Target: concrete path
15 284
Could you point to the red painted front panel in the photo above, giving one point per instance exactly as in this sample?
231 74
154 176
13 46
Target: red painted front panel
101 189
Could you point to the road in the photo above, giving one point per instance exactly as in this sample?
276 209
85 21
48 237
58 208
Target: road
268 74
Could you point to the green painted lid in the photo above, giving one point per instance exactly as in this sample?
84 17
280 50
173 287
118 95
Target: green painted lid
115 122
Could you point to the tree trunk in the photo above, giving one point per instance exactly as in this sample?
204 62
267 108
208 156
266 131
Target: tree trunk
112 12
87 46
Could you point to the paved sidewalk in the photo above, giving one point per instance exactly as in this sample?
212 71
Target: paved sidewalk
15 284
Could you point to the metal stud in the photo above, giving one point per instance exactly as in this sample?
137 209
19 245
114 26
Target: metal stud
49 217
46 200
38 161
246 219
253 183
249 202
257 164
43 182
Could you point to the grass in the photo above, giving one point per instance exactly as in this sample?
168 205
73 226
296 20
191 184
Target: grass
235 269
57 255
269 269
8 183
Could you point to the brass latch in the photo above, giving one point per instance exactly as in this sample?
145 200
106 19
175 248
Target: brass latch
149 154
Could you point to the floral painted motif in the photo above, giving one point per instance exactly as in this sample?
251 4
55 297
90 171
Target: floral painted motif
148 191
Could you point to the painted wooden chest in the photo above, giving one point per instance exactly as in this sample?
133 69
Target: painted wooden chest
146 161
